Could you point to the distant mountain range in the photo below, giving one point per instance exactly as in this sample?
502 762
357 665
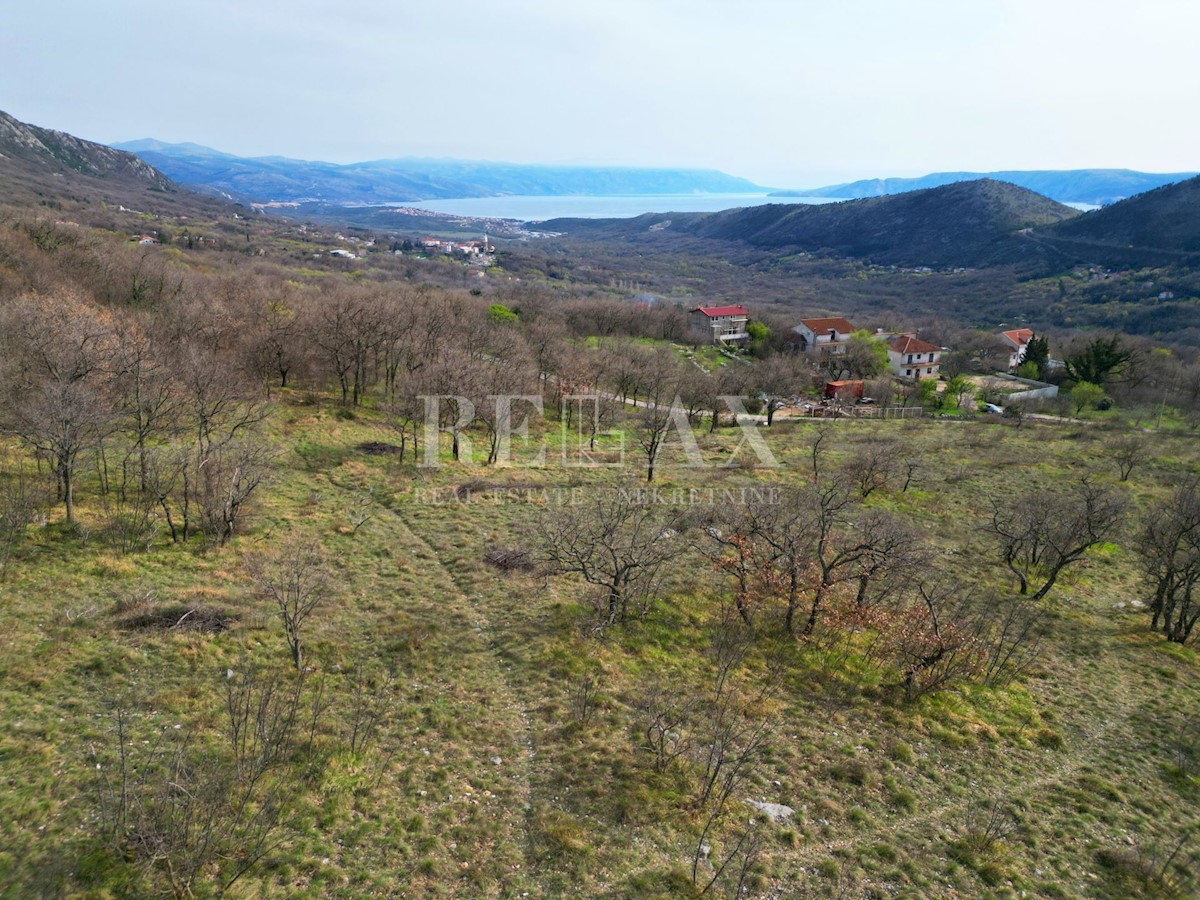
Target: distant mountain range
1097 187
276 178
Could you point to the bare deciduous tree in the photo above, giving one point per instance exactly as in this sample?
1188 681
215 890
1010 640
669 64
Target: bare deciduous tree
873 464
296 581
1128 452
62 420
661 410
618 541
1169 547
1041 533
226 480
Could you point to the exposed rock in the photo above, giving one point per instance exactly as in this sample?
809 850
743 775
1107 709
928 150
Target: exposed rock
776 812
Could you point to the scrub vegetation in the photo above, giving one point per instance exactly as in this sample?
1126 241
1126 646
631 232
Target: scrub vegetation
273 624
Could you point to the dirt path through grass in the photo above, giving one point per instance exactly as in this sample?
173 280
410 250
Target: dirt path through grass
499 707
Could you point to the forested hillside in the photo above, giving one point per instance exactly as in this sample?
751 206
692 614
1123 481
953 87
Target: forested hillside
1162 223
974 223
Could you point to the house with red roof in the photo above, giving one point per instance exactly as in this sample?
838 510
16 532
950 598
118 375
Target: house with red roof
718 324
911 357
1016 341
826 335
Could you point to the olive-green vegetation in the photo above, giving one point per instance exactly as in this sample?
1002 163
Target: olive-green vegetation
519 743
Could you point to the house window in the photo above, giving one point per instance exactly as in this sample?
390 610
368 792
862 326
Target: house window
910 357
929 371
908 371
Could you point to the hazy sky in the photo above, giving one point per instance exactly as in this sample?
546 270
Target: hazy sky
787 93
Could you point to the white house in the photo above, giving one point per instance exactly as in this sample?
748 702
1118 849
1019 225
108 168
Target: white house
911 357
829 335
718 324
1016 341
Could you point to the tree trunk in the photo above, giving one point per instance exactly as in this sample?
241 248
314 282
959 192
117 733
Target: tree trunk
68 481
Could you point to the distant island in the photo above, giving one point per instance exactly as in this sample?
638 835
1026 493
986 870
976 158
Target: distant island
277 178
1094 187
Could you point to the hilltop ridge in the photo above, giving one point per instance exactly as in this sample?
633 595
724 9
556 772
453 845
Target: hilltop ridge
1097 187
1158 226
972 223
56 151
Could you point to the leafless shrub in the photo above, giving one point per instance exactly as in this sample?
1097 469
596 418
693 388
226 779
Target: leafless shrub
227 478
666 719
584 695
987 823
1185 747
134 600
369 705
359 509
1011 632
620 543
1168 867
730 742
872 465
182 811
130 523
740 859
20 500
933 642
264 717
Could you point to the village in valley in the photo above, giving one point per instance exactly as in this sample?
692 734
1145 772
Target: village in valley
851 362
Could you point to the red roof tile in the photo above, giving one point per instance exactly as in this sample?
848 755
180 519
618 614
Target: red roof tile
713 311
1018 337
905 344
822 326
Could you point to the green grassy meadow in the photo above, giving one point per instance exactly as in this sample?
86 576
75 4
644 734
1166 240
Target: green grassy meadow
509 760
